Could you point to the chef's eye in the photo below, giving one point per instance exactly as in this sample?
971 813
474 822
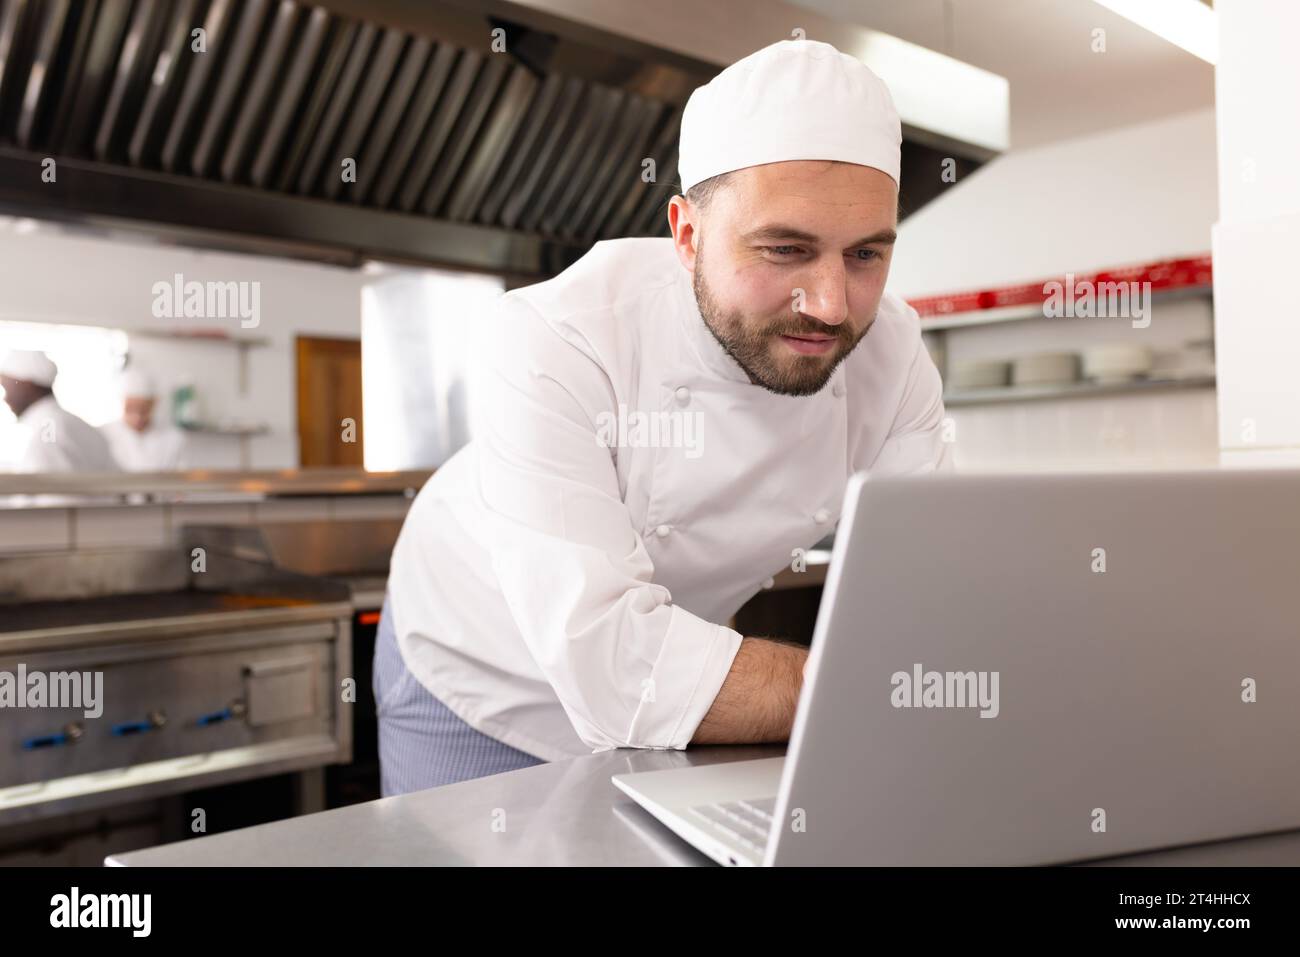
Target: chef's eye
783 252
865 255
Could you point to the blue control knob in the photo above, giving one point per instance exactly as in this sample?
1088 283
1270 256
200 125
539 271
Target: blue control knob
68 735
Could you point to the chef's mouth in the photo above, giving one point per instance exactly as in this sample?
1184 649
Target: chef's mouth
809 345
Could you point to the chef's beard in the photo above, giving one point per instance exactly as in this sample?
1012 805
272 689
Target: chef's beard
750 344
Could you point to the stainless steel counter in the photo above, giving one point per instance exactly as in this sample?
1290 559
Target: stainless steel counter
199 486
563 813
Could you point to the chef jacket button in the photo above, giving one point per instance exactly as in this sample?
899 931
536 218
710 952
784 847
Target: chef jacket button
663 530
768 583
837 389
683 394
821 516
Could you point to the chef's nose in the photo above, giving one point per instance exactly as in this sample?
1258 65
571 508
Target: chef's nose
826 296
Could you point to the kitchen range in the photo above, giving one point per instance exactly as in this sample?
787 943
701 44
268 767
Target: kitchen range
200 676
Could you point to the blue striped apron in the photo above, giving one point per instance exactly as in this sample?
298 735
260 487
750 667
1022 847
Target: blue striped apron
422 742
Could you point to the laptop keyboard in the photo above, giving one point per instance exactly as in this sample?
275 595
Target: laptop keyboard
746 822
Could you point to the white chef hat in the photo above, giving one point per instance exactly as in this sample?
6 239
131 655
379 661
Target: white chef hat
28 366
793 100
136 383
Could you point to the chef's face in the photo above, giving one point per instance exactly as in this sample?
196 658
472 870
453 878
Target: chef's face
137 412
20 394
798 253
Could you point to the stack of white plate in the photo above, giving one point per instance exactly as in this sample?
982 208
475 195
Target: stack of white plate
1116 363
1048 368
1193 361
979 374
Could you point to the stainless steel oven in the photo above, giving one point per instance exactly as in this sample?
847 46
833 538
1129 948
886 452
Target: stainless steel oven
200 673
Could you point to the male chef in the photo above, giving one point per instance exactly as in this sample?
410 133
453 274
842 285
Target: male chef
53 439
138 440
666 425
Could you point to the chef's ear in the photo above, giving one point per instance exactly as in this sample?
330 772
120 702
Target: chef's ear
685 230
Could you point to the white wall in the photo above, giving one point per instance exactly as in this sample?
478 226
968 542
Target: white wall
1130 195
1257 240
1127 196
50 275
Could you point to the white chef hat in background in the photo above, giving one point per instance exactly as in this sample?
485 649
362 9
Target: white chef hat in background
793 100
138 384
29 366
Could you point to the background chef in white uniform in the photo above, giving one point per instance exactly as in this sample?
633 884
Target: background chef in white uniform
668 423
54 440
138 441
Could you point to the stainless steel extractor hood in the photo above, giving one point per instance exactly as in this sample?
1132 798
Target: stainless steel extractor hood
512 162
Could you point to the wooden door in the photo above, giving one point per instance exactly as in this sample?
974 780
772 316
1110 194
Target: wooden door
329 398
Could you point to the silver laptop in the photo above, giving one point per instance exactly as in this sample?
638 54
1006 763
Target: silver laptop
1030 669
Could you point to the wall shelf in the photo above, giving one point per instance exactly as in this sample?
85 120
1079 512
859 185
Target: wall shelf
198 338
202 338
1072 390
238 432
1034 310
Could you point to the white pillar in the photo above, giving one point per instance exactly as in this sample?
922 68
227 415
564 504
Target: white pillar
1257 239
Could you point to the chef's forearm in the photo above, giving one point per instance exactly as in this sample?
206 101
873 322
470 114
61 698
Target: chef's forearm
757 700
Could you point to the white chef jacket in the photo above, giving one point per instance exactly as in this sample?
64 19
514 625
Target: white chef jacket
156 449
561 595
58 441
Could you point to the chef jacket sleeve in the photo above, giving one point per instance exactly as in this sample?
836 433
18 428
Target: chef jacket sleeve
920 439
630 668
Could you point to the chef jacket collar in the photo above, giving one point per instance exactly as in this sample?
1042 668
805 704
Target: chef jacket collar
46 405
